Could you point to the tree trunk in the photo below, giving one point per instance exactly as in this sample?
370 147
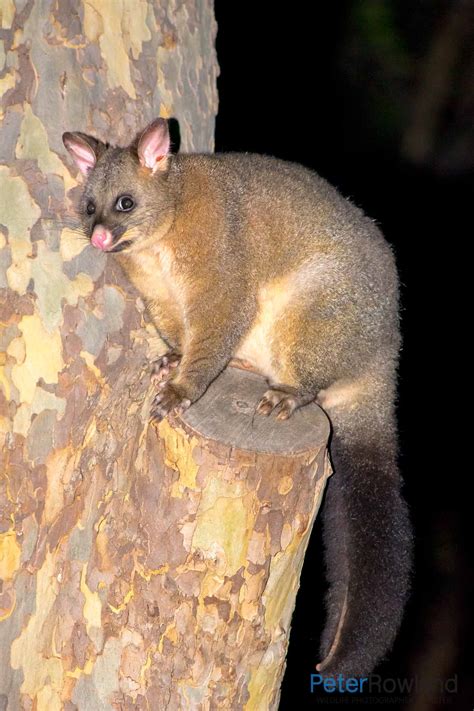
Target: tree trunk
140 568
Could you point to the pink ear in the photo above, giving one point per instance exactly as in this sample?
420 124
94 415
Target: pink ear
81 150
154 146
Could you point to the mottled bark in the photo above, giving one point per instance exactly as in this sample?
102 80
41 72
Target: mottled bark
140 568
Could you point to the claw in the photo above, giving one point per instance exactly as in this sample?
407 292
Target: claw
265 406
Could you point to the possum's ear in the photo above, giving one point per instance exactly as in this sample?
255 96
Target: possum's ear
84 149
153 146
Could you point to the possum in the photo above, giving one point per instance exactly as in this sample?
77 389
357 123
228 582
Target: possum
242 256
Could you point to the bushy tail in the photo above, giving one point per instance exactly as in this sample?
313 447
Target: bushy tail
368 541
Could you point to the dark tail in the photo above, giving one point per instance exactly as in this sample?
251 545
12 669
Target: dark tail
368 541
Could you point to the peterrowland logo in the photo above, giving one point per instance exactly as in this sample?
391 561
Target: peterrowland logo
375 684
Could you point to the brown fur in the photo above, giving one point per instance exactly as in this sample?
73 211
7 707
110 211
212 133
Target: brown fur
248 257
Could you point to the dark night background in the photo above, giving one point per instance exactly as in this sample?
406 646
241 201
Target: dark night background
378 97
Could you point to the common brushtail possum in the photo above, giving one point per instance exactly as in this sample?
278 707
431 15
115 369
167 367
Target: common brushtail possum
249 257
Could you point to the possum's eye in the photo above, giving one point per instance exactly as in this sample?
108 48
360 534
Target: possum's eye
124 203
90 208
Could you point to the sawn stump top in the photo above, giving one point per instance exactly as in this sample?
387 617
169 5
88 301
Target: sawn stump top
226 413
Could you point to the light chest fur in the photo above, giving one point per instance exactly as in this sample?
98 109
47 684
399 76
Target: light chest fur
151 272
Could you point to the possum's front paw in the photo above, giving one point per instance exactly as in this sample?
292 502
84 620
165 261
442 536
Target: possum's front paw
169 399
161 369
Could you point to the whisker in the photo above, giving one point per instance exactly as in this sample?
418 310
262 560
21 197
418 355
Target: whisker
71 224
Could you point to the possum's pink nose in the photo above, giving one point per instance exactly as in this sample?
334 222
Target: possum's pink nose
102 238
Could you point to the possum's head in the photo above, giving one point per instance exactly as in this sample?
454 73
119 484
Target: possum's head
126 198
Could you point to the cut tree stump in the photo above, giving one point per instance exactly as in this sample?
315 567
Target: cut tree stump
164 568
251 487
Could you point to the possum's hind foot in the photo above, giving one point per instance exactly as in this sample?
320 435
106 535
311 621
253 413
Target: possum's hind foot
282 401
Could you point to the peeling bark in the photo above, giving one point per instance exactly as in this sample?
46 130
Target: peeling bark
140 568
